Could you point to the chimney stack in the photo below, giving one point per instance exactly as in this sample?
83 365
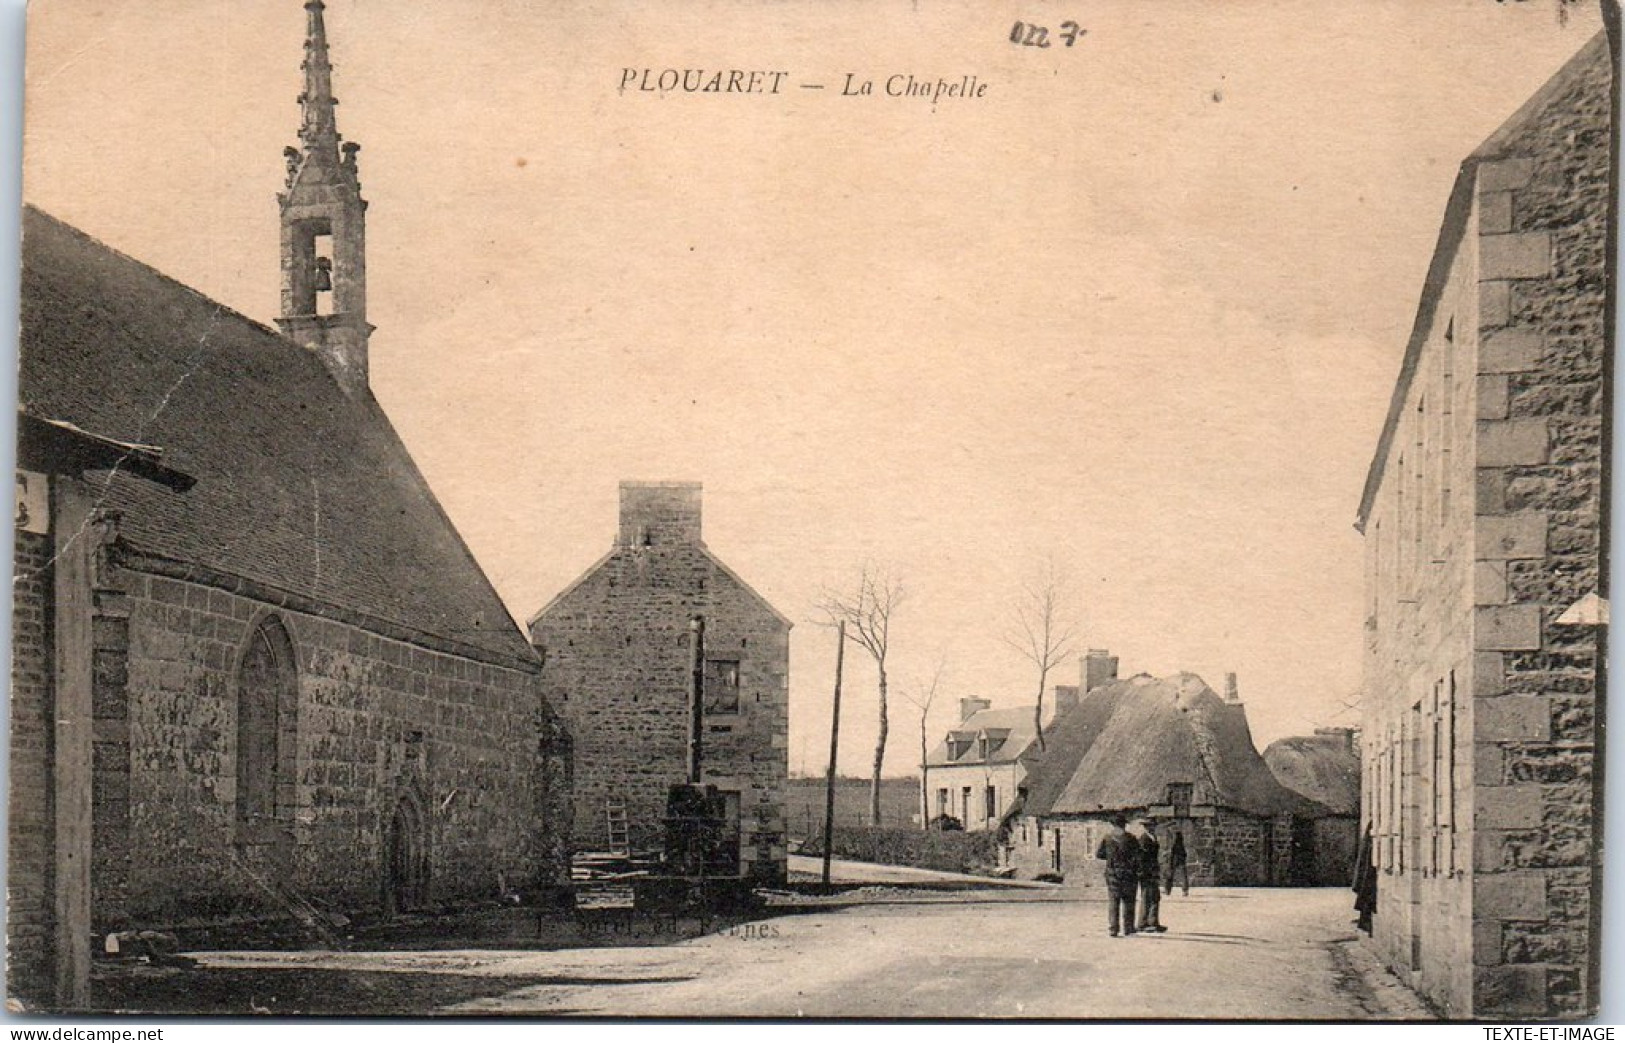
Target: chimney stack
1098 667
971 705
1344 737
1231 695
659 514
1066 697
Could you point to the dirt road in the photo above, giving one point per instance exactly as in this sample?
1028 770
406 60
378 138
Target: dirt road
1261 953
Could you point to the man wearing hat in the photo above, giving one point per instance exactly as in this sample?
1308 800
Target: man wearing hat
1121 853
1148 871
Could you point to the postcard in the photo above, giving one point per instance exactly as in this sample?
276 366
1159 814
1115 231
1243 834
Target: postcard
1024 510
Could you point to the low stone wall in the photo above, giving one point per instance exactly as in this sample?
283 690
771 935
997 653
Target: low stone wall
952 852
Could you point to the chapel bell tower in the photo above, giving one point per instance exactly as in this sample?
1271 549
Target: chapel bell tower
324 261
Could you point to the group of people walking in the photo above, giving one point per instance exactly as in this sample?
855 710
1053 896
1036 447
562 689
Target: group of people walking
1134 869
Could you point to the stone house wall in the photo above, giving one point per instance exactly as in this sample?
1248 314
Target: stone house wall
955 778
377 720
1484 529
1421 575
616 647
1542 243
30 859
1221 849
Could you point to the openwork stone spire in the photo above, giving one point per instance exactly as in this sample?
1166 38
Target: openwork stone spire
324 269
320 128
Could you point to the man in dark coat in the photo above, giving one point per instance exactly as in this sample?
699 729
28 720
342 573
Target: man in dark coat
1150 869
1365 883
1121 853
1176 864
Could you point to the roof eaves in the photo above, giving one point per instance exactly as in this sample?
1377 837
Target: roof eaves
552 603
141 559
42 441
731 574
1444 253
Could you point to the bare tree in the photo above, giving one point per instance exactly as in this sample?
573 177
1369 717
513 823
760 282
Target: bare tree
867 612
922 695
1043 628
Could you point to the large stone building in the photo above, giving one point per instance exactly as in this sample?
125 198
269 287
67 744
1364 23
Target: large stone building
1484 546
1168 749
287 692
617 647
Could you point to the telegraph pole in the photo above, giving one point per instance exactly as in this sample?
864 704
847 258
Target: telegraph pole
834 748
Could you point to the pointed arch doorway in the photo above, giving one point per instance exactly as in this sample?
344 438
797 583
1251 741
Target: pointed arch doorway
406 857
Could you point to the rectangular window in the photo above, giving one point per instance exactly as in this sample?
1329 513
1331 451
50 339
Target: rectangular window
721 686
964 806
1420 478
1379 810
992 803
1392 797
1378 820
1447 422
1450 773
1402 520
1435 784
942 802
1410 823
1179 795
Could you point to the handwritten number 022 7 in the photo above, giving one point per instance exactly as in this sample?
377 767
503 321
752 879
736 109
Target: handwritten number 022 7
1024 34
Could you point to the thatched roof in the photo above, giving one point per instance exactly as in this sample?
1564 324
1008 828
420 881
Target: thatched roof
1323 768
1124 743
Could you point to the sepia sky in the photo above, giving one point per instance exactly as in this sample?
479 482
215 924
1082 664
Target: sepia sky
1139 307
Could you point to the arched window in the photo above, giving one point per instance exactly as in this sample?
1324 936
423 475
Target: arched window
267 704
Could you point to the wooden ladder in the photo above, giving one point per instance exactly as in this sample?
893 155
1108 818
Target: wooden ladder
616 812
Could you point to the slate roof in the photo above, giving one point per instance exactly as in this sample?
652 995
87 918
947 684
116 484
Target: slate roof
1320 767
1124 742
300 488
1009 730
